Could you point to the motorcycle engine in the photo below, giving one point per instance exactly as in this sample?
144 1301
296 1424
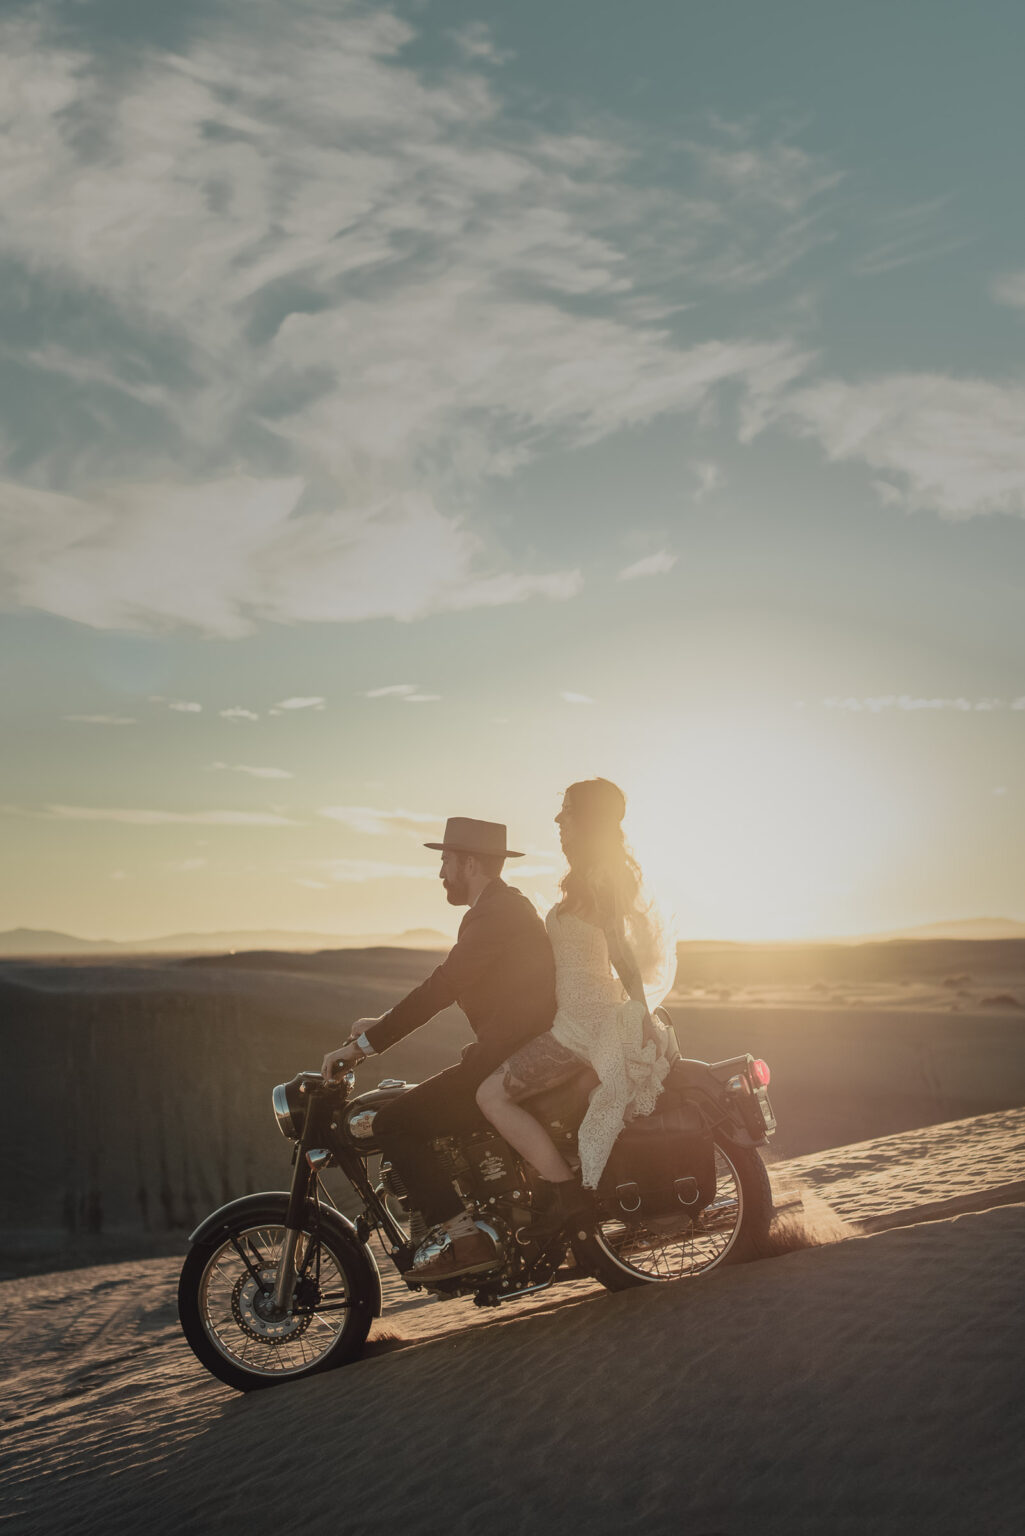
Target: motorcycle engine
480 1166
395 1188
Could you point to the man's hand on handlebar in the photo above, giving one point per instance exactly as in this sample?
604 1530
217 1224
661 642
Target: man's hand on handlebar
347 1055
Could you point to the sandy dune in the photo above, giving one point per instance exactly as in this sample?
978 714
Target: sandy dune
962 1165
858 1387
868 1385
163 1070
868 1381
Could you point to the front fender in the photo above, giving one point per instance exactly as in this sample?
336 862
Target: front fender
220 1222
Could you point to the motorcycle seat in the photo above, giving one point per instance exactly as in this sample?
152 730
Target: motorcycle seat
566 1101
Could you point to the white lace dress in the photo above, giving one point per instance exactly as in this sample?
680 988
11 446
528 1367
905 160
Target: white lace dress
598 1022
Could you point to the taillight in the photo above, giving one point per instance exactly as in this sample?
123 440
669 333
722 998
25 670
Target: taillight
760 1072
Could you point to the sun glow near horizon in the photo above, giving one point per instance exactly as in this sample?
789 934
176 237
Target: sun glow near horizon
752 832
747 828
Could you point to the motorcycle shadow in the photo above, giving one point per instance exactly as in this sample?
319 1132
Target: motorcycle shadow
412 1318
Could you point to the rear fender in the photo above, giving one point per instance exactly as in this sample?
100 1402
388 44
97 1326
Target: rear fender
703 1084
219 1223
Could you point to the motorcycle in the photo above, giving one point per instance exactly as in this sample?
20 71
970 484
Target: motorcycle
278 1286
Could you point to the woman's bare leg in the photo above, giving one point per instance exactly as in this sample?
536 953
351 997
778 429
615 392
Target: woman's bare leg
521 1130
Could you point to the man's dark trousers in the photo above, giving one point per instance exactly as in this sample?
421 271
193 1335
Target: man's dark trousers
502 975
444 1105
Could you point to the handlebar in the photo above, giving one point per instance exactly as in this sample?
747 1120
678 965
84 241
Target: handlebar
313 1082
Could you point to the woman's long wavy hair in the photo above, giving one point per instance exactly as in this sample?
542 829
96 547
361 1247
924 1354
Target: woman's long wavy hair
603 881
603 884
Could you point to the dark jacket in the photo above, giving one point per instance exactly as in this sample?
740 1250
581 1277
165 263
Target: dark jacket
501 973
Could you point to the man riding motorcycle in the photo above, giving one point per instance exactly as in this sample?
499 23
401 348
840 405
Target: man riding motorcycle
502 974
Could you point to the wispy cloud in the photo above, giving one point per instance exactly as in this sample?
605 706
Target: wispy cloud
236 712
217 556
359 871
651 565
256 773
709 477
907 236
952 446
576 698
181 706
476 43
281 193
1010 289
777 173
301 702
409 693
765 207
376 823
876 704
149 818
102 719
498 591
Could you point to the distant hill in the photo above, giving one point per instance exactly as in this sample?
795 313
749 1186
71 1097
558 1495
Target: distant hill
25 942
32 942
43 941
966 928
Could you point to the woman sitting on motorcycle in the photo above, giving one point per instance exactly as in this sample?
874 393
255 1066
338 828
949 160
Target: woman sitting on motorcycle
601 917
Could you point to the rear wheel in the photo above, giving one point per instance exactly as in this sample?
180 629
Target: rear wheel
225 1303
624 1252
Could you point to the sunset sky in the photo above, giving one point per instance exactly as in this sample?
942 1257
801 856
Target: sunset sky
410 409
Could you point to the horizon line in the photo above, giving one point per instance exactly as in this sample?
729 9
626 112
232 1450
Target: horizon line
388 940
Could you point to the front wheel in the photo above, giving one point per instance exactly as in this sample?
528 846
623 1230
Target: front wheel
623 1252
225 1302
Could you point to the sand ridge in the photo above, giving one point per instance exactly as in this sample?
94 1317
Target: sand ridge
754 1386
961 1160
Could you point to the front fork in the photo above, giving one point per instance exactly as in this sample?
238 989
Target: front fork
302 1179
285 1282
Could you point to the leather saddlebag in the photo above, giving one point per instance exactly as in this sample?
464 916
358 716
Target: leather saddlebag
661 1163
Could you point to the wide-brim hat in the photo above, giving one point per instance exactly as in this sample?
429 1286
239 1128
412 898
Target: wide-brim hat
464 835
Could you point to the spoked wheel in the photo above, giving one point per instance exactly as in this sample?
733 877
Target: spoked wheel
227 1312
623 1252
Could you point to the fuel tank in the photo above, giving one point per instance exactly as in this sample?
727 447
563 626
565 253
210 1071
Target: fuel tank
356 1125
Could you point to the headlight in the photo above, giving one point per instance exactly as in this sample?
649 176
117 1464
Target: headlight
290 1116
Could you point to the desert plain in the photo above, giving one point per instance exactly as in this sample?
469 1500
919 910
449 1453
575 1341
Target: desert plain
867 1378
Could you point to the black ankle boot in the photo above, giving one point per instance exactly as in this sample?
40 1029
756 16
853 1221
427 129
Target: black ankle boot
571 1198
568 1202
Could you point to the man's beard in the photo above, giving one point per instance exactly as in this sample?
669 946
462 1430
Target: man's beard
456 892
